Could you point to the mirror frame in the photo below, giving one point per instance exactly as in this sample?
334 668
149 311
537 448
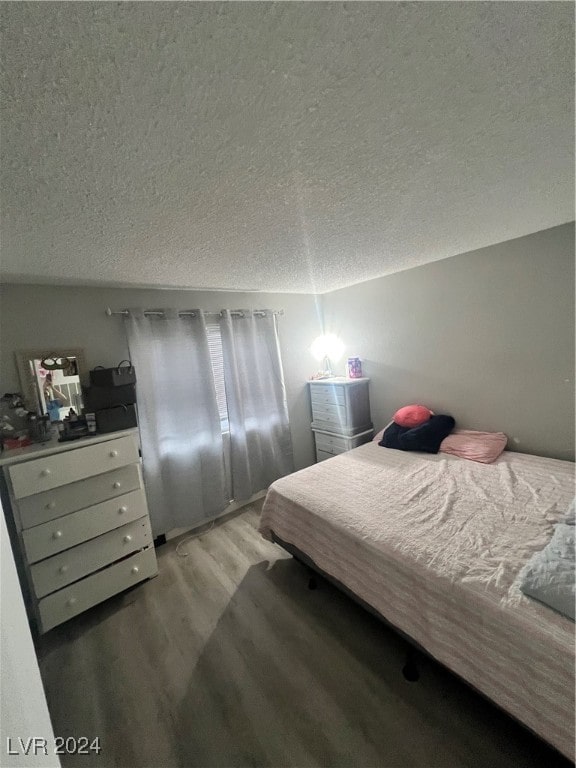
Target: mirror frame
28 383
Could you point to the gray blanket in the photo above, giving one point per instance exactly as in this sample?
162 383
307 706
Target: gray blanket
550 574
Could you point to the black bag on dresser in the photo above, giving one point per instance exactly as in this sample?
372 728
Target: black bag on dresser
96 398
113 377
113 419
112 397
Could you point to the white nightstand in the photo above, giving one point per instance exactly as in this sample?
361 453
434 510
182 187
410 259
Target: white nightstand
340 415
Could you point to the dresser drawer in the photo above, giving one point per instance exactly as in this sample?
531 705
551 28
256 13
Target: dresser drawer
324 410
58 571
64 532
331 444
328 422
42 507
92 590
324 394
58 469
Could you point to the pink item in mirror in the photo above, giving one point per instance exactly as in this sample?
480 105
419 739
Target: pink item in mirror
412 415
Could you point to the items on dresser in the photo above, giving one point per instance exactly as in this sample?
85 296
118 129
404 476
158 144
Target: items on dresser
80 523
14 422
97 398
73 428
340 415
118 417
112 397
113 377
354 368
40 428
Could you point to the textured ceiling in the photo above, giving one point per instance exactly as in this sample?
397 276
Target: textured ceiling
277 146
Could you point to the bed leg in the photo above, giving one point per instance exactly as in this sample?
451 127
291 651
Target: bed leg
410 668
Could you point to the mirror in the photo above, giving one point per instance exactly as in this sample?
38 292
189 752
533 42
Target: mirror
50 380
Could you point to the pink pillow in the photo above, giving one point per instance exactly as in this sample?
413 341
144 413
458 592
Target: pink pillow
484 447
412 416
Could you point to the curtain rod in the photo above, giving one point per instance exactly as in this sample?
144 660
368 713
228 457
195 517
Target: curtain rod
160 312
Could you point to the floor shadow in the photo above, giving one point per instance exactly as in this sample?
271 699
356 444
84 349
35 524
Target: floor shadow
227 659
292 676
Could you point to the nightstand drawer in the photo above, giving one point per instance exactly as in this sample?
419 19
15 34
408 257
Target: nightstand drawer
329 422
323 455
332 395
58 571
331 444
331 409
43 507
39 475
72 600
333 416
64 532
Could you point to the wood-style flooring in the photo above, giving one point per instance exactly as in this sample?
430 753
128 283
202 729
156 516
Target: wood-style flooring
228 659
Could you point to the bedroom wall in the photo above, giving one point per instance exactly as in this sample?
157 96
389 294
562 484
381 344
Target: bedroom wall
23 707
487 336
49 316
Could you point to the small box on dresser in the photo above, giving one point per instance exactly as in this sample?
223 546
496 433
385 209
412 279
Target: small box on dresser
340 415
79 522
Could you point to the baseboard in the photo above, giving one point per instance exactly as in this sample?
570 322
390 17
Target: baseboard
235 506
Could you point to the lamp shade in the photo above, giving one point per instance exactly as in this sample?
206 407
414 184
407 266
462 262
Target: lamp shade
327 345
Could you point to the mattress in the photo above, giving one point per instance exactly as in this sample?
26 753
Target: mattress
435 544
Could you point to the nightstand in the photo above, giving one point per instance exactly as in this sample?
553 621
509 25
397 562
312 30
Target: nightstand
340 415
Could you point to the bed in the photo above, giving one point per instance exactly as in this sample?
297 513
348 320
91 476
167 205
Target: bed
434 544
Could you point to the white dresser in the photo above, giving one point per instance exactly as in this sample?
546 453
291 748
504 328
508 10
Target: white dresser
79 520
340 415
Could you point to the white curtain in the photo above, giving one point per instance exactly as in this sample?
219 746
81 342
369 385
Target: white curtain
260 441
180 427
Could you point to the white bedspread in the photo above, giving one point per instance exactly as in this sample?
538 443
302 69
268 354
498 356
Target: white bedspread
435 543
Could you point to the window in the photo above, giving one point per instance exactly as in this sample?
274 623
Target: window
215 348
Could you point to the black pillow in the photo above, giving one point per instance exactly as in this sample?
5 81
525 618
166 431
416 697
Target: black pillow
391 436
427 437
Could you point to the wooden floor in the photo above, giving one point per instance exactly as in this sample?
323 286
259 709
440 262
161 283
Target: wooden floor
227 659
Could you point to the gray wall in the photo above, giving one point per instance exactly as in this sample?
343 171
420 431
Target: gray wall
487 336
23 706
45 316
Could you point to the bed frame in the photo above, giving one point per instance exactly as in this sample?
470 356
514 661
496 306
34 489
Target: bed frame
410 669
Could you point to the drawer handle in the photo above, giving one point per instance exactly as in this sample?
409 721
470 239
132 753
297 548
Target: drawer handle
45 472
57 535
63 568
122 510
51 505
117 485
127 538
71 601
113 454
135 569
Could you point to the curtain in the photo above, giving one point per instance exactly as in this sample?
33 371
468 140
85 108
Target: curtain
260 441
179 423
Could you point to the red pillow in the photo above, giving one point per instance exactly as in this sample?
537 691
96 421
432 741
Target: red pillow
412 415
